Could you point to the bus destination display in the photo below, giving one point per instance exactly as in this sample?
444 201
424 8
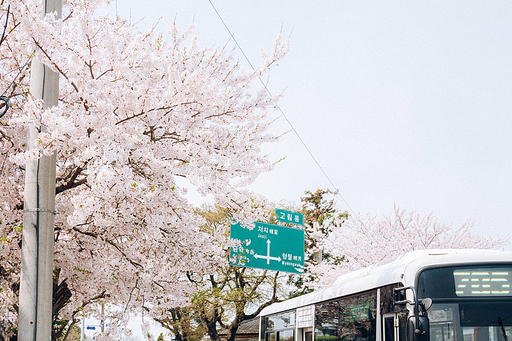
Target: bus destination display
482 282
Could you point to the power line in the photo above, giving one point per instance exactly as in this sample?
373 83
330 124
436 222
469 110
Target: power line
284 115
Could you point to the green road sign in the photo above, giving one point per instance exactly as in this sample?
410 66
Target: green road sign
290 217
268 246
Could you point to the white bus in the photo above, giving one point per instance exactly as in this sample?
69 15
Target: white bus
427 295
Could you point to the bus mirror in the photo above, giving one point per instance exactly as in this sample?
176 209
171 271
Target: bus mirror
418 329
425 303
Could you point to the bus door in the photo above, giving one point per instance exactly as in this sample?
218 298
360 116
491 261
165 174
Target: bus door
394 326
390 327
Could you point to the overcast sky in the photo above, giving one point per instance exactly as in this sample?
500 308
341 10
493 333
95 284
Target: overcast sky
403 103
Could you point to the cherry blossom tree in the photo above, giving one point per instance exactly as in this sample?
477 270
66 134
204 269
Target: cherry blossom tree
369 240
142 117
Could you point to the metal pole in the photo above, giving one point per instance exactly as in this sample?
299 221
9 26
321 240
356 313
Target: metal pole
82 335
36 283
102 317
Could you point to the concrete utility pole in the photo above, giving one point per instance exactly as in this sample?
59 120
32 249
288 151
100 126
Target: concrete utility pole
36 284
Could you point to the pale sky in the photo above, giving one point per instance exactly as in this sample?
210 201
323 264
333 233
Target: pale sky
403 103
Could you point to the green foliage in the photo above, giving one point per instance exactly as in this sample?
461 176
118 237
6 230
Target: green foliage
298 282
326 338
216 217
317 209
183 323
322 211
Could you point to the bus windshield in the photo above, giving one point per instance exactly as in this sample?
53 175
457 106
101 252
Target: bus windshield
471 321
470 303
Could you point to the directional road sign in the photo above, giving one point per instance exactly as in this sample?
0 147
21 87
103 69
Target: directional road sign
289 217
268 246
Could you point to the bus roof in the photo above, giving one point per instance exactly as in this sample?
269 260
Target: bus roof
401 269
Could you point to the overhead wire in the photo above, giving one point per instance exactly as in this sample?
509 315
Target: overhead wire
337 191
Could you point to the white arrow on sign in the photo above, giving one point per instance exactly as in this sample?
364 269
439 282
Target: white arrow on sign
267 257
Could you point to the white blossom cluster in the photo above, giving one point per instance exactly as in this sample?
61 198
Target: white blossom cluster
368 240
137 111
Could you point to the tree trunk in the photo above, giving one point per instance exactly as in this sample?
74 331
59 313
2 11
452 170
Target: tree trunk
233 328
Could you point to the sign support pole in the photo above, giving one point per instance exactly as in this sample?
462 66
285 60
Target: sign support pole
36 283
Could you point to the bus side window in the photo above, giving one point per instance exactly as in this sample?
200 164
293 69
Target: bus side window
285 335
357 318
270 336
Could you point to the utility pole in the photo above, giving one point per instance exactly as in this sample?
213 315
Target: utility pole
36 283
